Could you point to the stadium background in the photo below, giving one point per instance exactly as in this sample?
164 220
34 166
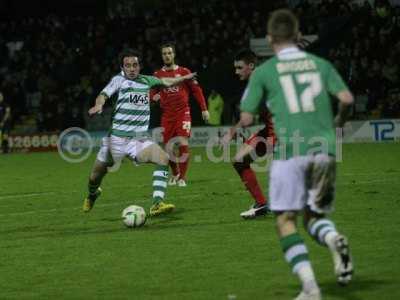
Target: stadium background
57 56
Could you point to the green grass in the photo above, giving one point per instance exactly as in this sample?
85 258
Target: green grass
50 250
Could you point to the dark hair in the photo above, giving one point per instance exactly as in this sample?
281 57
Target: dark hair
248 56
283 26
167 45
128 53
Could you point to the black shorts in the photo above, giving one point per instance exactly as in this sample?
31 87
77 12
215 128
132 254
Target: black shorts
260 139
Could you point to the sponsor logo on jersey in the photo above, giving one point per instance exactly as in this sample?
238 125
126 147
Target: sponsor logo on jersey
172 89
139 99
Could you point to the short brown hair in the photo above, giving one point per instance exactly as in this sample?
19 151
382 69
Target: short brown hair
283 26
128 53
248 56
167 45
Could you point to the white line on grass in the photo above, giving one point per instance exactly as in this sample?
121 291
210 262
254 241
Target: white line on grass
364 182
26 195
79 208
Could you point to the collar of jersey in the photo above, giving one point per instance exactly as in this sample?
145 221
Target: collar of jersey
174 69
290 49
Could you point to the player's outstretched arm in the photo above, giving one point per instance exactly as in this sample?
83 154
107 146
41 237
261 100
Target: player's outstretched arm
346 99
170 81
246 119
226 139
98 107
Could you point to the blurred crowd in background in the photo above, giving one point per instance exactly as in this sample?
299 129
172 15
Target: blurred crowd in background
53 67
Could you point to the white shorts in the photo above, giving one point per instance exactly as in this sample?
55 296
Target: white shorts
301 181
113 149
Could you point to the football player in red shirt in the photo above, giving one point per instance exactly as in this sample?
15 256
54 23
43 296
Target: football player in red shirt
175 119
257 145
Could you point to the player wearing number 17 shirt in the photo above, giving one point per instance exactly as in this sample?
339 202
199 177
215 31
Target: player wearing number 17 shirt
176 119
295 85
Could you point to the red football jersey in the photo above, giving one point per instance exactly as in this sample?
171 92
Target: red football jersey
175 99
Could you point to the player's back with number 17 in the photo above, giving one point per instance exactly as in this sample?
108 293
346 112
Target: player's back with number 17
298 85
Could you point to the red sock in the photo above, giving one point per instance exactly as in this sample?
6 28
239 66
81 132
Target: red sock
183 161
174 167
250 181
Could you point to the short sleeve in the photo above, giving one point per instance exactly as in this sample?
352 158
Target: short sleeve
113 86
253 94
335 83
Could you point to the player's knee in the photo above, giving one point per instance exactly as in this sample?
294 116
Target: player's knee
286 223
310 217
246 159
240 166
238 159
94 177
183 141
98 172
163 158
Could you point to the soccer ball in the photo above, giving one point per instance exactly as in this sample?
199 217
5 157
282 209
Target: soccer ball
134 216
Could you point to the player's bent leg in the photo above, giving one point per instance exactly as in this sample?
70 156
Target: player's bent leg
173 154
170 146
241 164
97 174
296 254
243 154
324 232
174 165
321 192
184 157
155 154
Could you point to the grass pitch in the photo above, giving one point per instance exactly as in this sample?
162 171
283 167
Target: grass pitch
49 249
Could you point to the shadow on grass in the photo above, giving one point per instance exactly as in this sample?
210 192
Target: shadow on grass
202 180
363 285
108 226
331 288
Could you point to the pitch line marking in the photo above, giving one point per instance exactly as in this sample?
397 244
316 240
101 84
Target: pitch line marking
25 195
143 201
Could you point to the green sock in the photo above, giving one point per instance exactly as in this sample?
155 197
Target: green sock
320 228
160 177
295 251
296 254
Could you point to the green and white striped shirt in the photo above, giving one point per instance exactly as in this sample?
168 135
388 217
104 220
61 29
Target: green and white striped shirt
131 114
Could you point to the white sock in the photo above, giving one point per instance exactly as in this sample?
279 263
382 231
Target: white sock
330 239
307 278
